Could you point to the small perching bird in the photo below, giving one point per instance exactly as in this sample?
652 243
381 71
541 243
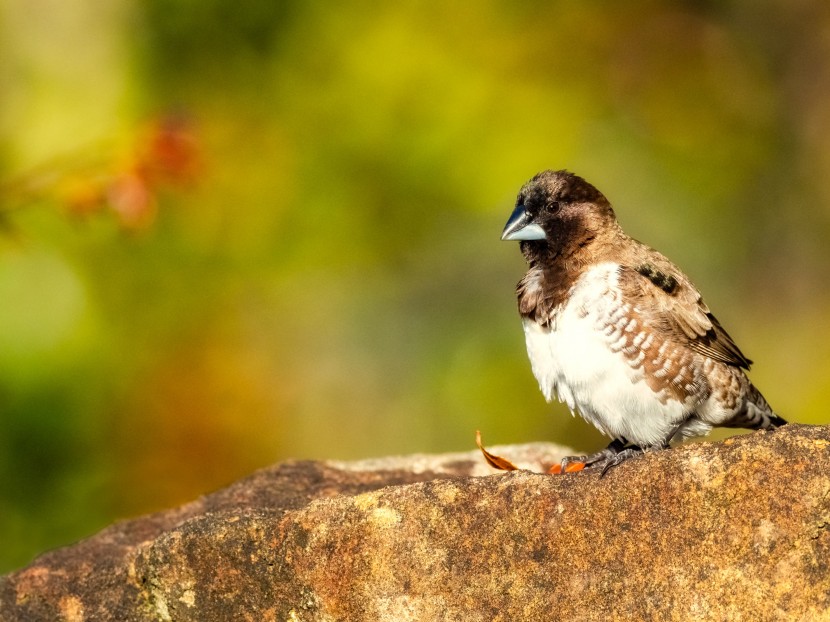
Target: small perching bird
617 332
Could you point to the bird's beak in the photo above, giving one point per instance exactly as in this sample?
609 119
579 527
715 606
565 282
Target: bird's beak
519 227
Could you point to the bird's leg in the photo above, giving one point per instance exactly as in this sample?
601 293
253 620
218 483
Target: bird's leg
674 431
611 456
630 452
569 464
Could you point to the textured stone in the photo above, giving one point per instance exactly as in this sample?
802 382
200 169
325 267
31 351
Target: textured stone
738 530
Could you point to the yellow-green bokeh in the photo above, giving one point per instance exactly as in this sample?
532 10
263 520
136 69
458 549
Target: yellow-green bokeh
333 284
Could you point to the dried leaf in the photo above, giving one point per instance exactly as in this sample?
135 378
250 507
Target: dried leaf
497 462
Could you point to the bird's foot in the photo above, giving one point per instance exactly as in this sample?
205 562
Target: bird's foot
611 456
622 456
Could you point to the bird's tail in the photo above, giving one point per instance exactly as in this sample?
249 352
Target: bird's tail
776 422
760 412
753 411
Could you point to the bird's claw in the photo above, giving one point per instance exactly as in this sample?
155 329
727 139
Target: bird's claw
603 460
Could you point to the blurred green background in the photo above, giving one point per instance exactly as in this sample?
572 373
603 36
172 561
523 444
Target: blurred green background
238 232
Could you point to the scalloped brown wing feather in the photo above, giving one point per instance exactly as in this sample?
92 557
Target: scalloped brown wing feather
670 304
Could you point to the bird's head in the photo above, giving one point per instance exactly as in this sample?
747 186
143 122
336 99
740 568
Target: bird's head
556 210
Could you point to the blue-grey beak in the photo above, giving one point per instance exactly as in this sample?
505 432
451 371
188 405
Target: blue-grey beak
519 227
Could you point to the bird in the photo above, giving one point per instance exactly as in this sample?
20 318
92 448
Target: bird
617 332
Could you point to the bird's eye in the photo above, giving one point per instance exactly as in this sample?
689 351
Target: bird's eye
553 207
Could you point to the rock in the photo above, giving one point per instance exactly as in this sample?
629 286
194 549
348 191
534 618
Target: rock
738 530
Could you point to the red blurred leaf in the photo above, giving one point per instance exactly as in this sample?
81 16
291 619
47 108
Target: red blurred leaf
165 152
170 152
131 197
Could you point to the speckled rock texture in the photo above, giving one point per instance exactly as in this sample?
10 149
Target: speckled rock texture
738 530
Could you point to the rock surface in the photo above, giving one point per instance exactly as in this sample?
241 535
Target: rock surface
738 530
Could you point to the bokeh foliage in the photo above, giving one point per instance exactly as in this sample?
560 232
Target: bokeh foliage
321 276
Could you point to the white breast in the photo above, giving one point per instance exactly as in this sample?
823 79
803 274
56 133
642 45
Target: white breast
573 360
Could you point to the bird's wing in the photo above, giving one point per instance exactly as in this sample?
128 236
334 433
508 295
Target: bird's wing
668 302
